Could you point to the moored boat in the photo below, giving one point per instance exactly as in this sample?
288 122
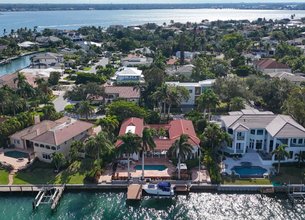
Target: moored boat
160 189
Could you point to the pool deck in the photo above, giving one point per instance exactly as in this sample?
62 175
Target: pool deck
252 157
121 172
17 164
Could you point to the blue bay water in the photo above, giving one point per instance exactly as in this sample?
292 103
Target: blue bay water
104 18
110 205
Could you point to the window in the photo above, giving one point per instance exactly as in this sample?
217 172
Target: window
230 131
53 148
36 145
65 142
48 147
300 141
190 91
252 131
46 156
294 140
42 146
260 132
240 136
197 90
58 147
238 146
259 144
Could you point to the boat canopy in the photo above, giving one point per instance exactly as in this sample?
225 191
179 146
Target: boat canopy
164 184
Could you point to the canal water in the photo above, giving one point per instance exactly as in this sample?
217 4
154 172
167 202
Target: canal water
15 65
112 205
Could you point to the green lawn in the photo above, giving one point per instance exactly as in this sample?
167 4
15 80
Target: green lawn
3 177
87 68
42 173
230 181
291 174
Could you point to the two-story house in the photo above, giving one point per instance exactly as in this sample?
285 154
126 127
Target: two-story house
128 74
195 89
253 130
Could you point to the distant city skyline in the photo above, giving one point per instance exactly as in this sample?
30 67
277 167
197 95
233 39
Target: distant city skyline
143 1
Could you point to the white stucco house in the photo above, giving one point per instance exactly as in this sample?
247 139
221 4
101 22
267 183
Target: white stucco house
195 89
253 130
128 74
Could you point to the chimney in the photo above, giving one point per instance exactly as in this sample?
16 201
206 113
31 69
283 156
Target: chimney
36 119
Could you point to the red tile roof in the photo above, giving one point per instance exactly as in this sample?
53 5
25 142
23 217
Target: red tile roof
270 64
137 122
175 129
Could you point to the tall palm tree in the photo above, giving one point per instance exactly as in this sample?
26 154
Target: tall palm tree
148 143
108 124
176 95
131 143
281 153
208 100
85 109
161 96
98 145
181 149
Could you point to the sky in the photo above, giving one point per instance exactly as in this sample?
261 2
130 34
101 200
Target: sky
143 1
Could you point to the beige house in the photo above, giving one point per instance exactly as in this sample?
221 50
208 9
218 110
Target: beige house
48 137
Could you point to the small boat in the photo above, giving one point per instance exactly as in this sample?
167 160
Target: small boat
160 189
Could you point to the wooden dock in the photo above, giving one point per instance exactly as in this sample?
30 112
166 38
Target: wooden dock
49 196
134 192
182 188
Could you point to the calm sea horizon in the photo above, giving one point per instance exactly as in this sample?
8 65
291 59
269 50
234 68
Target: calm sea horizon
104 18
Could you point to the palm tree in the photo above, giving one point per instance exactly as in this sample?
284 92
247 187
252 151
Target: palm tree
97 145
161 96
21 83
181 149
108 124
131 143
148 143
176 95
76 147
208 100
280 153
85 109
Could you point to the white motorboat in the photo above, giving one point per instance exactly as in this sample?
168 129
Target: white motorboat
160 189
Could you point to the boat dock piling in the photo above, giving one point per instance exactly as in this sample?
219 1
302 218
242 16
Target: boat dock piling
49 195
134 192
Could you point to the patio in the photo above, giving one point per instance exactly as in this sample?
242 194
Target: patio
122 173
17 164
252 157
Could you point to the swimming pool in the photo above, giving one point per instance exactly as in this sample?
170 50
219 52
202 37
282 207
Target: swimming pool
151 167
16 154
249 171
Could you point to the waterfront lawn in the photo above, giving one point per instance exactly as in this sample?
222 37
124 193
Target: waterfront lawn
75 173
292 174
37 173
3 177
253 181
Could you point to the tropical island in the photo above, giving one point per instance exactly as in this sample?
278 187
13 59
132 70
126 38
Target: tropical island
217 102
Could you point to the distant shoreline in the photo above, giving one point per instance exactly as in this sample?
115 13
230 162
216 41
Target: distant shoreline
71 7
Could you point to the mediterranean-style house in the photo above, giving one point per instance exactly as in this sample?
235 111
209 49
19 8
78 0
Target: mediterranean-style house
270 66
48 137
263 131
174 129
195 89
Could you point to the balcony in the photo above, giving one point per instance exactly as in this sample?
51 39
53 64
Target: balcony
264 155
240 138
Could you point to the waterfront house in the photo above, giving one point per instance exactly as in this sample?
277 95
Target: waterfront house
173 130
47 60
46 41
195 89
111 93
270 66
294 78
128 74
263 131
48 137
